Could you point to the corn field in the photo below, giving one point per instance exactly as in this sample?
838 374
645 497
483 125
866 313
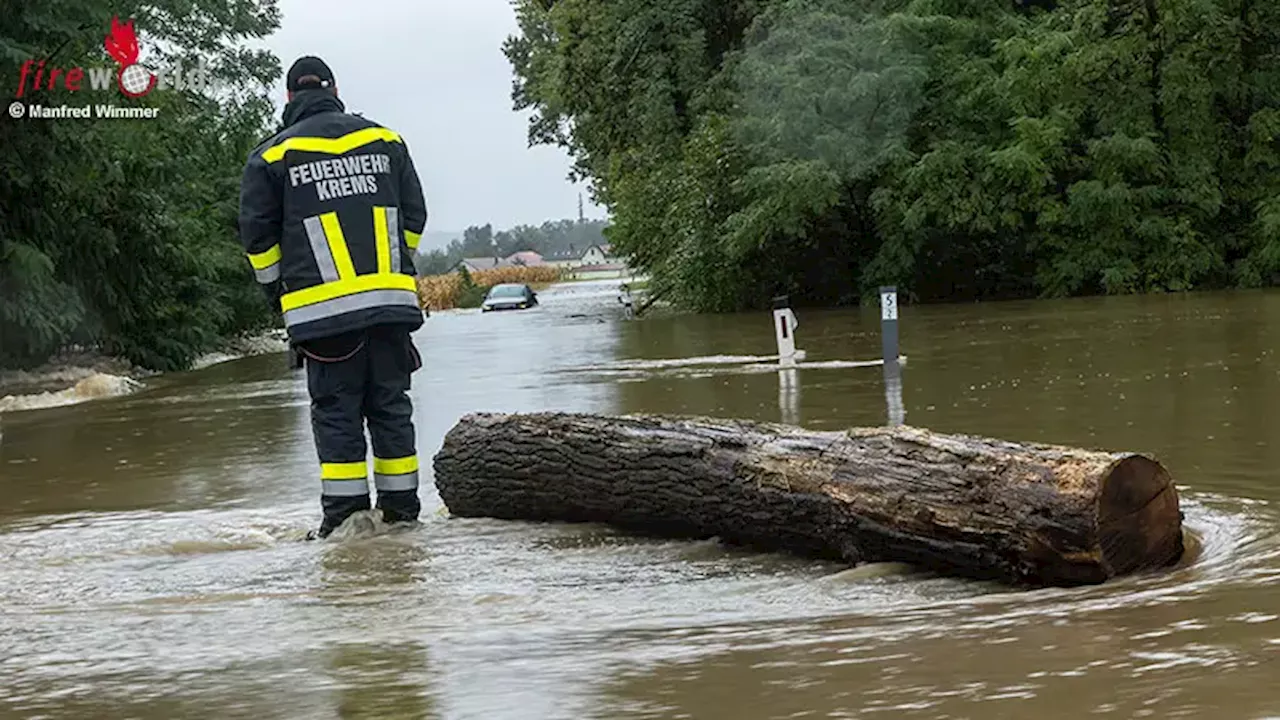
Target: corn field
445 292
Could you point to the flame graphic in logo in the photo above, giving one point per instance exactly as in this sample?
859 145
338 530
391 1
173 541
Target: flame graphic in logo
122 44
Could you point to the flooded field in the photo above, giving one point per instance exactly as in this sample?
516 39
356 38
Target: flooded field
152 568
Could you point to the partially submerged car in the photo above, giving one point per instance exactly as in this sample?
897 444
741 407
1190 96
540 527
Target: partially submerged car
509 296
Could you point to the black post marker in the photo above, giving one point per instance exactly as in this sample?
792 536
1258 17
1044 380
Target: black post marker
890 354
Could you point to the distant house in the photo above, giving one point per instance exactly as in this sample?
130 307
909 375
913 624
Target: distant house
527 258
600 258
562 258
595 256
481 263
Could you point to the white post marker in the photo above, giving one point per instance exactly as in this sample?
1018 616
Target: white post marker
784 330
889 324
624 298
890 355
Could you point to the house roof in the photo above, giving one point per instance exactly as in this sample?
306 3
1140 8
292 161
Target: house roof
525 257
605 248
482 263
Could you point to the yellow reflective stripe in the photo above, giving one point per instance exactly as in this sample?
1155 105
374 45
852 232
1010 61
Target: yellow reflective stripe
343 471
337 245
351 286
380 239
395 466
264 260
331 146
411 239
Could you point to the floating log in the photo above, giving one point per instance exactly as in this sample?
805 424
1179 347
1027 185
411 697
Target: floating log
1024 514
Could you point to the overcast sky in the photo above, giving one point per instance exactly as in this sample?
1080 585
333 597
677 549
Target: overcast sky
433 70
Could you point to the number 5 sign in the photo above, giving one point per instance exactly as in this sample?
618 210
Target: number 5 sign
888 304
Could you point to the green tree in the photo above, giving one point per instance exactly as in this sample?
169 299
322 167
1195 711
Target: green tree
121 233
960 149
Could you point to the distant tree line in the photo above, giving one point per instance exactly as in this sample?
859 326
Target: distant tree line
961 149
121 234
551 238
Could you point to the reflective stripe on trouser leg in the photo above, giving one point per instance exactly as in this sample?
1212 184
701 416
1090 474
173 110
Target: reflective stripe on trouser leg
337 392
395 474
344 479
389 413
344 488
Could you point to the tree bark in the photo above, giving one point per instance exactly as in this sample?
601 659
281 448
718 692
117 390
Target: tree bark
971 507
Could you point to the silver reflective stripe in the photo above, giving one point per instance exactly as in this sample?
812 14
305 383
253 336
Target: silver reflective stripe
350 303
393 235
268 275
320 248
408 481
344 488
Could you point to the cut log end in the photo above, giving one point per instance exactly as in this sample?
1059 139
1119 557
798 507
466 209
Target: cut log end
1139 520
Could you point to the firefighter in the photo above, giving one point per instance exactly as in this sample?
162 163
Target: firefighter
331 211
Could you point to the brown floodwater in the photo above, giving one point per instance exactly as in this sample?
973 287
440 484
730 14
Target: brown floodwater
151 568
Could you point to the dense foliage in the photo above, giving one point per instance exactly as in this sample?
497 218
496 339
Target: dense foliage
960 149
554 237
120 233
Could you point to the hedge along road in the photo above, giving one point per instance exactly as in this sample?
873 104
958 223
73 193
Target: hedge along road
151 567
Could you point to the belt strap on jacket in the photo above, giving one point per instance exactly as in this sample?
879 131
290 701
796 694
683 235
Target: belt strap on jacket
320 358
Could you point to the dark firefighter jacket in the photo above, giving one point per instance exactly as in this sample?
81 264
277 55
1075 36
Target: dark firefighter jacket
331 211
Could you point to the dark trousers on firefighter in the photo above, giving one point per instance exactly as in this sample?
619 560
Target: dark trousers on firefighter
353 379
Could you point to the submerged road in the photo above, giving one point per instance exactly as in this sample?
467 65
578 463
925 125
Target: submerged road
150 565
